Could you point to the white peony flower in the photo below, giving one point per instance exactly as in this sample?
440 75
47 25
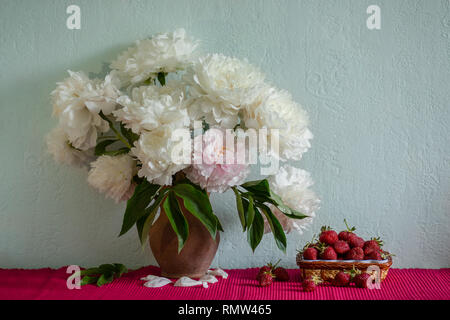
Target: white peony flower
154 149
292 185
77 101
59 146
150 107
113 176
166 52
275 109
220 85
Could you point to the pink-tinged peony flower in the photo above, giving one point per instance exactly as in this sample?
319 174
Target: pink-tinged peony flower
215 164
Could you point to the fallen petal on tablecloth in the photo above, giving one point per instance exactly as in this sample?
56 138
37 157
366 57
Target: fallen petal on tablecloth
187 282
218 272
208 278
155 281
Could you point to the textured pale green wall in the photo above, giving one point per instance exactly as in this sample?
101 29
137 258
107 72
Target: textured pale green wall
379 105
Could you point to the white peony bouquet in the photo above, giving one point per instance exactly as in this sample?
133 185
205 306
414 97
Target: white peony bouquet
166 124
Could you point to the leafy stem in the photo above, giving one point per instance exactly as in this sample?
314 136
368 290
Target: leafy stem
105 137
103 274
252 203
116 132
175 201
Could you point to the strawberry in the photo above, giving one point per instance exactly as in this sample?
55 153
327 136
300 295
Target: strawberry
309 284
342 279
328 235
362 280
353 273
267 268
264 269
374 243
355 254
328 254
356 242
310 251
341 247
372 254
265 279
345 235
281 274
310 254
368 250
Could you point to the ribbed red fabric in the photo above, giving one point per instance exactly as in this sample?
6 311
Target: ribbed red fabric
401 284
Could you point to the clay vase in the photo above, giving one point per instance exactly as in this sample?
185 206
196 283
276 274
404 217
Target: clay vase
197 254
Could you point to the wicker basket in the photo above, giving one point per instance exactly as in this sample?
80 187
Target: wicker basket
327 270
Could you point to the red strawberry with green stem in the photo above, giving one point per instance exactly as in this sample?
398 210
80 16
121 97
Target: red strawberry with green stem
264 269
328 253
373 243
345 235
310 251
268 267
265 279
310 254
309 284
328 235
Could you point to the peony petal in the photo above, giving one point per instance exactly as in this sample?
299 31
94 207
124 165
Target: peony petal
155 281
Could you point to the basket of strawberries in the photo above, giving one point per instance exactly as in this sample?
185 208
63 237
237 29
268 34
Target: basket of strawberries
334 253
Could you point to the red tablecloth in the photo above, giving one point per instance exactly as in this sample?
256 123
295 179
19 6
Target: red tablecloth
241 284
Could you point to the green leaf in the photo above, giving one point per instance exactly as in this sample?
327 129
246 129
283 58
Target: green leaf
258 187
261 193
240 208
88 280
198 204
117 152
100 148
120 269
276 200
255 231
107 268
105 278
219 225
128 134
90 271
291 213
250 210
176 218
275 226
144 223
162 78
137 204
